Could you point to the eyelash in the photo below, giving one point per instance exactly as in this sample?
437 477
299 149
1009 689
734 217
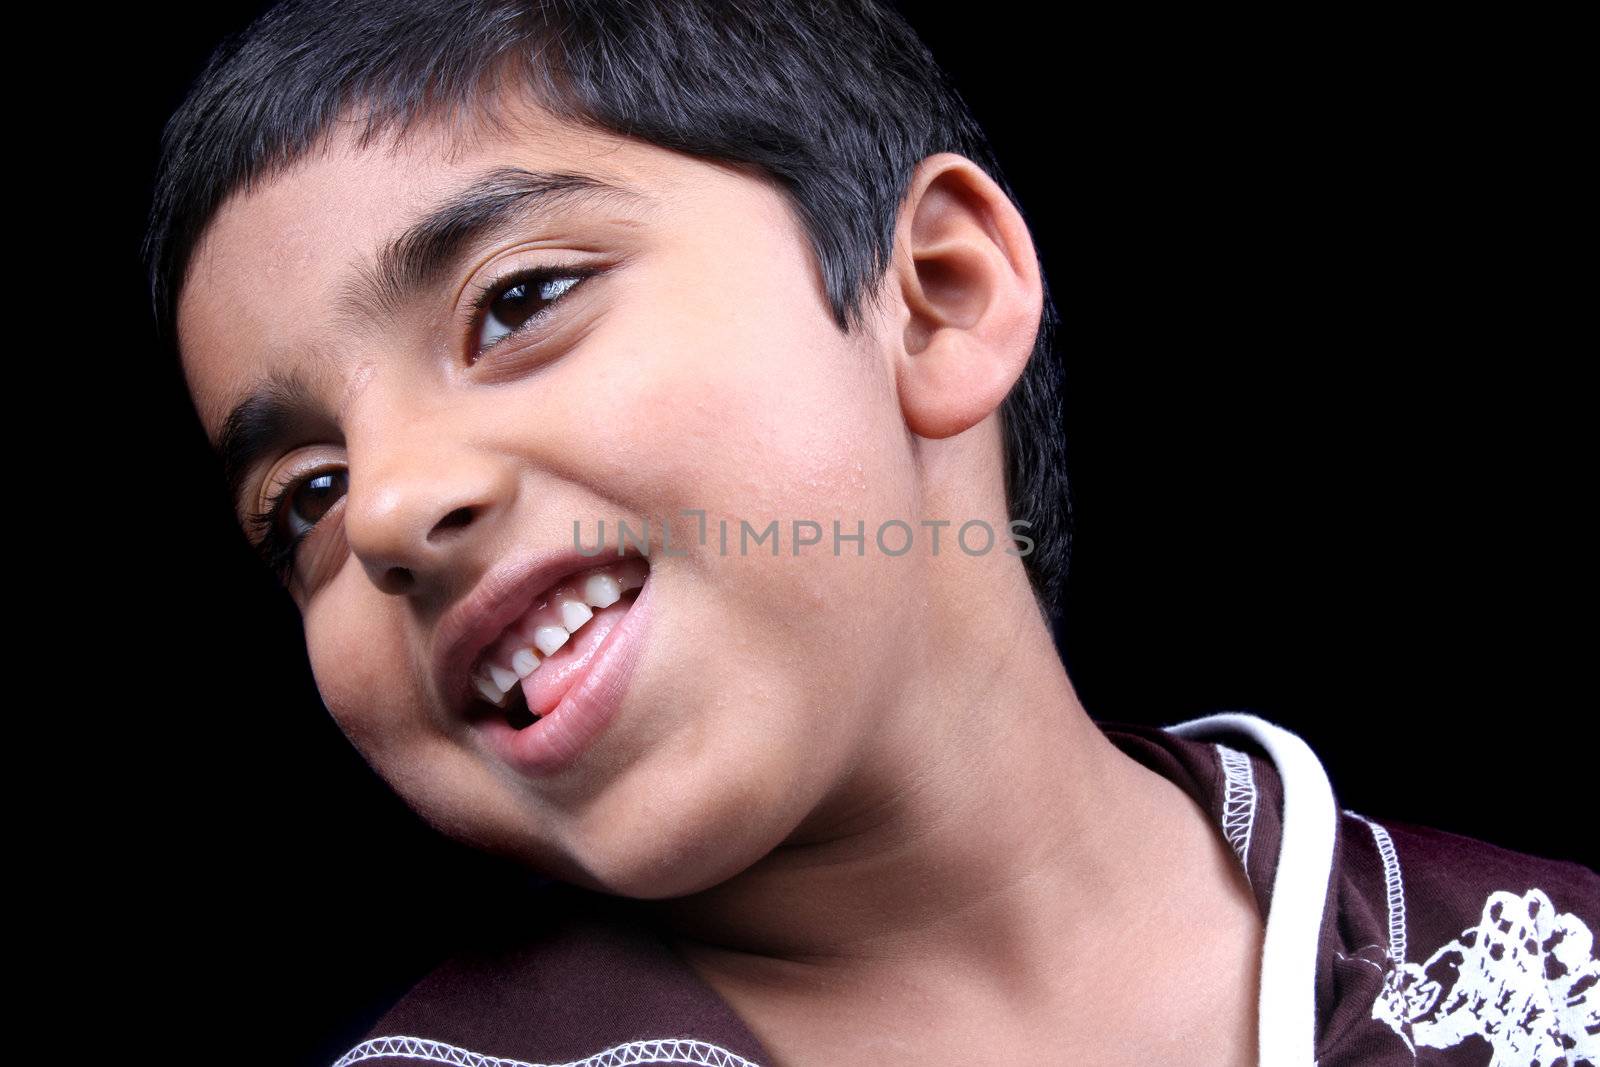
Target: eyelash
277 553
497 287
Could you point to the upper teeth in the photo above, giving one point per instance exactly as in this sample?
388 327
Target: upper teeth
549 638
547 627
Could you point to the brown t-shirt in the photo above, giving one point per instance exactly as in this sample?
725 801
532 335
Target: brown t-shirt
1387 945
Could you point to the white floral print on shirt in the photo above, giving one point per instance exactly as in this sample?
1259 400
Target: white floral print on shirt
1525 979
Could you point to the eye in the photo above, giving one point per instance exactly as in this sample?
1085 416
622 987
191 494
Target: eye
292 513
507 305
304 502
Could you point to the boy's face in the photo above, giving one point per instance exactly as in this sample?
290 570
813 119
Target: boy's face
697 368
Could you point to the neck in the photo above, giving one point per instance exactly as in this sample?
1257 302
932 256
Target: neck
994 829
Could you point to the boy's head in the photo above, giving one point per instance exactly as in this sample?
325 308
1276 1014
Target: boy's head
450 278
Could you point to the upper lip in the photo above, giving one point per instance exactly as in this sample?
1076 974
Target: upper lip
500 598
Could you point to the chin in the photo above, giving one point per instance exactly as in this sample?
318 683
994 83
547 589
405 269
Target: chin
672 850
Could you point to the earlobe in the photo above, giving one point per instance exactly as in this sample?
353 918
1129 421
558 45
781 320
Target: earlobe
970 283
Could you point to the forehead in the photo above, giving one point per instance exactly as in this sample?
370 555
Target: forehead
263 277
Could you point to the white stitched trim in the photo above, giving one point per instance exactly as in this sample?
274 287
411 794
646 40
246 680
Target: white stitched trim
656 1050
1394 888
1238 802
1288 1004
1359 959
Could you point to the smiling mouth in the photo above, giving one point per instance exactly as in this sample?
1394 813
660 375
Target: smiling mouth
524 673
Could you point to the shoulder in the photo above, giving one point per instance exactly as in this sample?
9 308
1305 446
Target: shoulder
1388 944
1486 955
576 981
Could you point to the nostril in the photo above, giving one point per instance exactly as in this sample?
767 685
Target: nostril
454 521
398 580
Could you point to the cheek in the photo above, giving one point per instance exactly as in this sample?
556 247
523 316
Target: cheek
779 418
757 402
355 643
366 674
779 663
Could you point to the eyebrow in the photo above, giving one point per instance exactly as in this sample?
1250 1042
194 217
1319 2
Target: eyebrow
419 257
282 404
277 408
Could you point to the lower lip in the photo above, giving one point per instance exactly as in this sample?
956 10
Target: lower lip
559 739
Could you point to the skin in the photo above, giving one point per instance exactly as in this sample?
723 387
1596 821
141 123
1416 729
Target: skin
857 791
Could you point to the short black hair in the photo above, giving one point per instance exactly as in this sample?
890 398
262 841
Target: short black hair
834 100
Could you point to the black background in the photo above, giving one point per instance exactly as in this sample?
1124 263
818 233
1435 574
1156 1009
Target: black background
1321 346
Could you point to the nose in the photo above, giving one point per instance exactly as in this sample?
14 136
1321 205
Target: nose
417 514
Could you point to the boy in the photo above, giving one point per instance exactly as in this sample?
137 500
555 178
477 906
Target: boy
649 408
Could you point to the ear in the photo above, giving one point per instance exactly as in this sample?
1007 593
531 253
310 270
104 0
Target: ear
969 279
